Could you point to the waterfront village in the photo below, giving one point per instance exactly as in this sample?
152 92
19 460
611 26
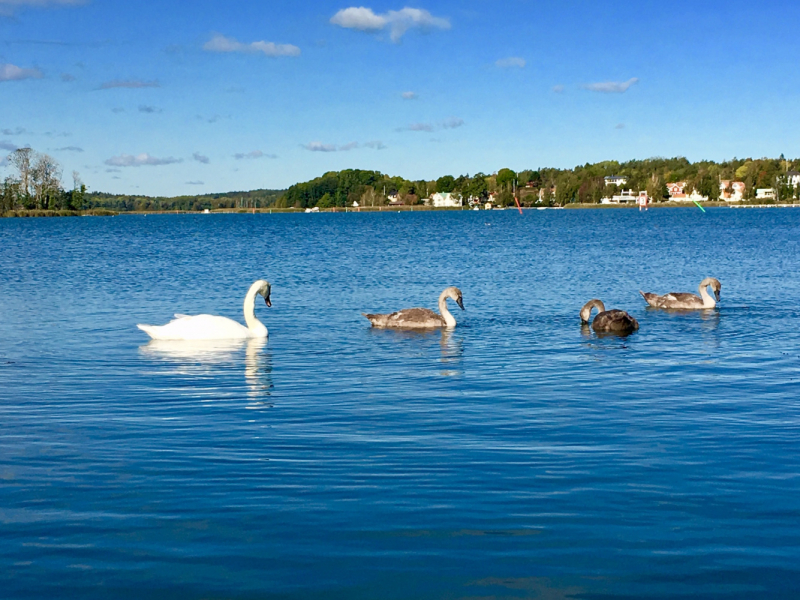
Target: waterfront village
729 191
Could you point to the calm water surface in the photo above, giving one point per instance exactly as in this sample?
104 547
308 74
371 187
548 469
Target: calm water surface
516 457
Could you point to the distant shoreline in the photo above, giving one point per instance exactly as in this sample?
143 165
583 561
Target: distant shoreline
26 214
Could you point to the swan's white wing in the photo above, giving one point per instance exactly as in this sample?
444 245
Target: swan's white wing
180 316
199 327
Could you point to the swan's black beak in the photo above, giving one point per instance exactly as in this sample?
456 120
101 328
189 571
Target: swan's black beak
268 301
460 302
716 294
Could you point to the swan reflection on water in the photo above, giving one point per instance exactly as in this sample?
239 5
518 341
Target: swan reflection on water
451 344
205 357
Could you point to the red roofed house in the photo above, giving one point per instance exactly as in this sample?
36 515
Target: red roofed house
675 190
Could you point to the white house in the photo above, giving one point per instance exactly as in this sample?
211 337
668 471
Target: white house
765 194
624 197
737 190
695 196
616 180
446 200
793 178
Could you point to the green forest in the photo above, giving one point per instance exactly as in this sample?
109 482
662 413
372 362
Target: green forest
36 185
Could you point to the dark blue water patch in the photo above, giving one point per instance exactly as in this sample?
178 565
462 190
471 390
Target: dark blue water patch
517 456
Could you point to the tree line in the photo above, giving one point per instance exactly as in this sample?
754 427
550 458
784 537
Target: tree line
36 184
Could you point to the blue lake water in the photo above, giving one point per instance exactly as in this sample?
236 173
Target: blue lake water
515 457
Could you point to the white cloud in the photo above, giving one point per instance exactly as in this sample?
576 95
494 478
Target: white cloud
375 145
253 154
320 147
511 62
15 131
4 145
128 160
130 83
360 18
350 146
611 87
69 149
558 89
194 183
397 21
409 95
200 158
220 43
451 123
9 72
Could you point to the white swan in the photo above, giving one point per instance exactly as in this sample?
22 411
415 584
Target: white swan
210 327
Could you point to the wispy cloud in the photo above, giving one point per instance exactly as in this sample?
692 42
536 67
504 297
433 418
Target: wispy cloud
144 159
220 43
397 21
253 154
67 77
118 109
128 83
69 149
418 127
9 72
6 145
409 95
611 87
320 147
511 62
143 108
200 158
15 131
451 123
558 89
194 183
620 126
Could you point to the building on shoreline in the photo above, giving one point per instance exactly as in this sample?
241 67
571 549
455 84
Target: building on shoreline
626 196
446 200
731 191
765 194
676 193
615 180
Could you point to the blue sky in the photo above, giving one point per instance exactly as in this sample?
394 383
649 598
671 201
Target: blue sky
193 97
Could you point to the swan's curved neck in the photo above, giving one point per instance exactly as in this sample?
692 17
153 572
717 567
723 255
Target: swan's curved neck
586 311
708 300
449 320
253 324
